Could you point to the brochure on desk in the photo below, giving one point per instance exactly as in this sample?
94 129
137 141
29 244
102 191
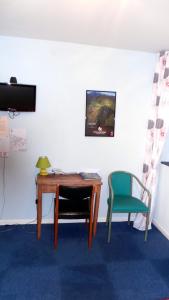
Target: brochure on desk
88 176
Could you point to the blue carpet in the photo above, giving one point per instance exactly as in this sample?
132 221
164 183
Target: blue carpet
126 269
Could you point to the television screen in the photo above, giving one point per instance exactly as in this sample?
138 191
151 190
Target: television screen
19 97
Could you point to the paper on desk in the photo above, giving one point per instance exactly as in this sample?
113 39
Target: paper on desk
89 170
4 127
18 141
4 136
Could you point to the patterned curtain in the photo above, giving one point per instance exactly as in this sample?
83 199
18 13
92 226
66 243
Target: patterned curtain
157 128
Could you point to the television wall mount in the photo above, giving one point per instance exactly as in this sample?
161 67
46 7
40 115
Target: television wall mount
12 113
13 80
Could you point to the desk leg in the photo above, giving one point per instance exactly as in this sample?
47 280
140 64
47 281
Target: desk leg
96 209
39 213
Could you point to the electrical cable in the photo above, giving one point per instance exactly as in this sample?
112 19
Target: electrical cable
23 225
12 113
50 207
4 201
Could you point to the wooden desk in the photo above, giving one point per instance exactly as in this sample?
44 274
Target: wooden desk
48 184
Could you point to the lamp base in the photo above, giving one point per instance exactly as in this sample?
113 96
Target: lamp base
43 172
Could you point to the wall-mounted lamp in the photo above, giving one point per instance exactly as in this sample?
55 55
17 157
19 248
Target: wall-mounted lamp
42 164
13 80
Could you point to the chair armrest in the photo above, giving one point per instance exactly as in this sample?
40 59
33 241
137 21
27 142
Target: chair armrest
144 189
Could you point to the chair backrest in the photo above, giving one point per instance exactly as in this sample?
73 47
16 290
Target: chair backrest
74 203
121 183
75 193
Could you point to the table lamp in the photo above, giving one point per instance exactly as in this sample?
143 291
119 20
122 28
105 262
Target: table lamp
42 164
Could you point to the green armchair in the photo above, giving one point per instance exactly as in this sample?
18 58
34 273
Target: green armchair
121 199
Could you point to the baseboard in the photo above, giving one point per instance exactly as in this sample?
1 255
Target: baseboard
50 221
161 229
115 219
100 220
17 221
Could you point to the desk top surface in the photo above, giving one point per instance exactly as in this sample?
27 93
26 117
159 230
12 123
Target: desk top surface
66 179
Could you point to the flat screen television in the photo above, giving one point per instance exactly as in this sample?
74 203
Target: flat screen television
17 97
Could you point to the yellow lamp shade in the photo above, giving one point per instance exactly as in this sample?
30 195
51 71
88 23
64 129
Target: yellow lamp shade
42 164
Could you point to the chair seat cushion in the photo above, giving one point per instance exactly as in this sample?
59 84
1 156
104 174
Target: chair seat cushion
123 203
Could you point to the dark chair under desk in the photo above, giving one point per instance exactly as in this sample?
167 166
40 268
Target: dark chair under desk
74 203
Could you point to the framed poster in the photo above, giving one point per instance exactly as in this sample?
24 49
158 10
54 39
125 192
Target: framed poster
100 113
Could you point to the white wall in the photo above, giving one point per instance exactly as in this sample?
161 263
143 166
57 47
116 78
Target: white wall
161 219
63 72
165 152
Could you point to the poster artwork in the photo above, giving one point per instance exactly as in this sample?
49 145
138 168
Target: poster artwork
100 113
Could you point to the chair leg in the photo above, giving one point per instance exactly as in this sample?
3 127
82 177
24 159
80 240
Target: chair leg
129 215
90 234
87 223
90 225
56 216
146 230
109 227
108 212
